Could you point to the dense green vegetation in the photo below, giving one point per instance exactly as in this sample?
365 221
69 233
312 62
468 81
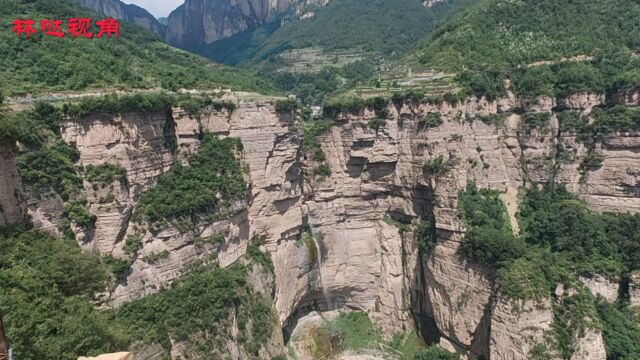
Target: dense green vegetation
355 331
495 40
311 87
48 163
560 238
138 59
205 298
621 330
212 181
342 24
47 286
105 174
437 166
362 31
52 167
489 239
113 104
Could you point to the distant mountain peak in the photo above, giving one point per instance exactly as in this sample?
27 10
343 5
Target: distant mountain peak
202 22
128 12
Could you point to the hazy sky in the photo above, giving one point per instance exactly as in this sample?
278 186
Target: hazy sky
159 8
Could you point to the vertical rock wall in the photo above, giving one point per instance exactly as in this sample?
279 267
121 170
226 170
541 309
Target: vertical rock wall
357 257
12 209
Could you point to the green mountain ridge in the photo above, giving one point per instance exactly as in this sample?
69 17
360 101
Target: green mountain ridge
374 26
138 59
494 40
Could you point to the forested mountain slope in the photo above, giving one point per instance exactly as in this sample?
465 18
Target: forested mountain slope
138 59
589 46
374 26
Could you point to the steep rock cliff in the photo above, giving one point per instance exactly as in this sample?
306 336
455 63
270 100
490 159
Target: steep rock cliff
118 10
335 239
12 209
200 22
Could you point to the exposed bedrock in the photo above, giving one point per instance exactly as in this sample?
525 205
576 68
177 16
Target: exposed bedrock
335 240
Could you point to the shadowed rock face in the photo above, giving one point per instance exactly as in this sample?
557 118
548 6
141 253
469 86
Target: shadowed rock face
199 22
12 209
118 10
357 258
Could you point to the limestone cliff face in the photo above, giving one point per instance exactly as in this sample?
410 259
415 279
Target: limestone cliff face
353 255
121 11
199 22
12 209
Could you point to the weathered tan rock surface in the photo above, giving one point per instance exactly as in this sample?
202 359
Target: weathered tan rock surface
357 258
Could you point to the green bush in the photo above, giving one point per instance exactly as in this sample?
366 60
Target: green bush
132 244
212 181
322 171
46 287
153 258
437 167
536 120
113 104
53 167
194 105
259 257
287 105
206 298
78 212
310 244
432 120
119 267
379 105
348 104
592 161
10 130
489 239
354 329
573 317
425 236
620 331
376 123
435 353
593 242
494 119
571 121
138 59
533 276
105 174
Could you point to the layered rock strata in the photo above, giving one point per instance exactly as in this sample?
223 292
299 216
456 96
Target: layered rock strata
355 255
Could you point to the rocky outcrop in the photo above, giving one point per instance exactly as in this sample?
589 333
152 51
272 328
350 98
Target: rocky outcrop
634 290
354 255
12 209
590 346
200 22
518 329
118 10
602 286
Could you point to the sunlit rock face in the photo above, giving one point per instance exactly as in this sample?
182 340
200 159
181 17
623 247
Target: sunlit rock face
354 254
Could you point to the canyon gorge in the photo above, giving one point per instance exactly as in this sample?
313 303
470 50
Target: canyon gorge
334 238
